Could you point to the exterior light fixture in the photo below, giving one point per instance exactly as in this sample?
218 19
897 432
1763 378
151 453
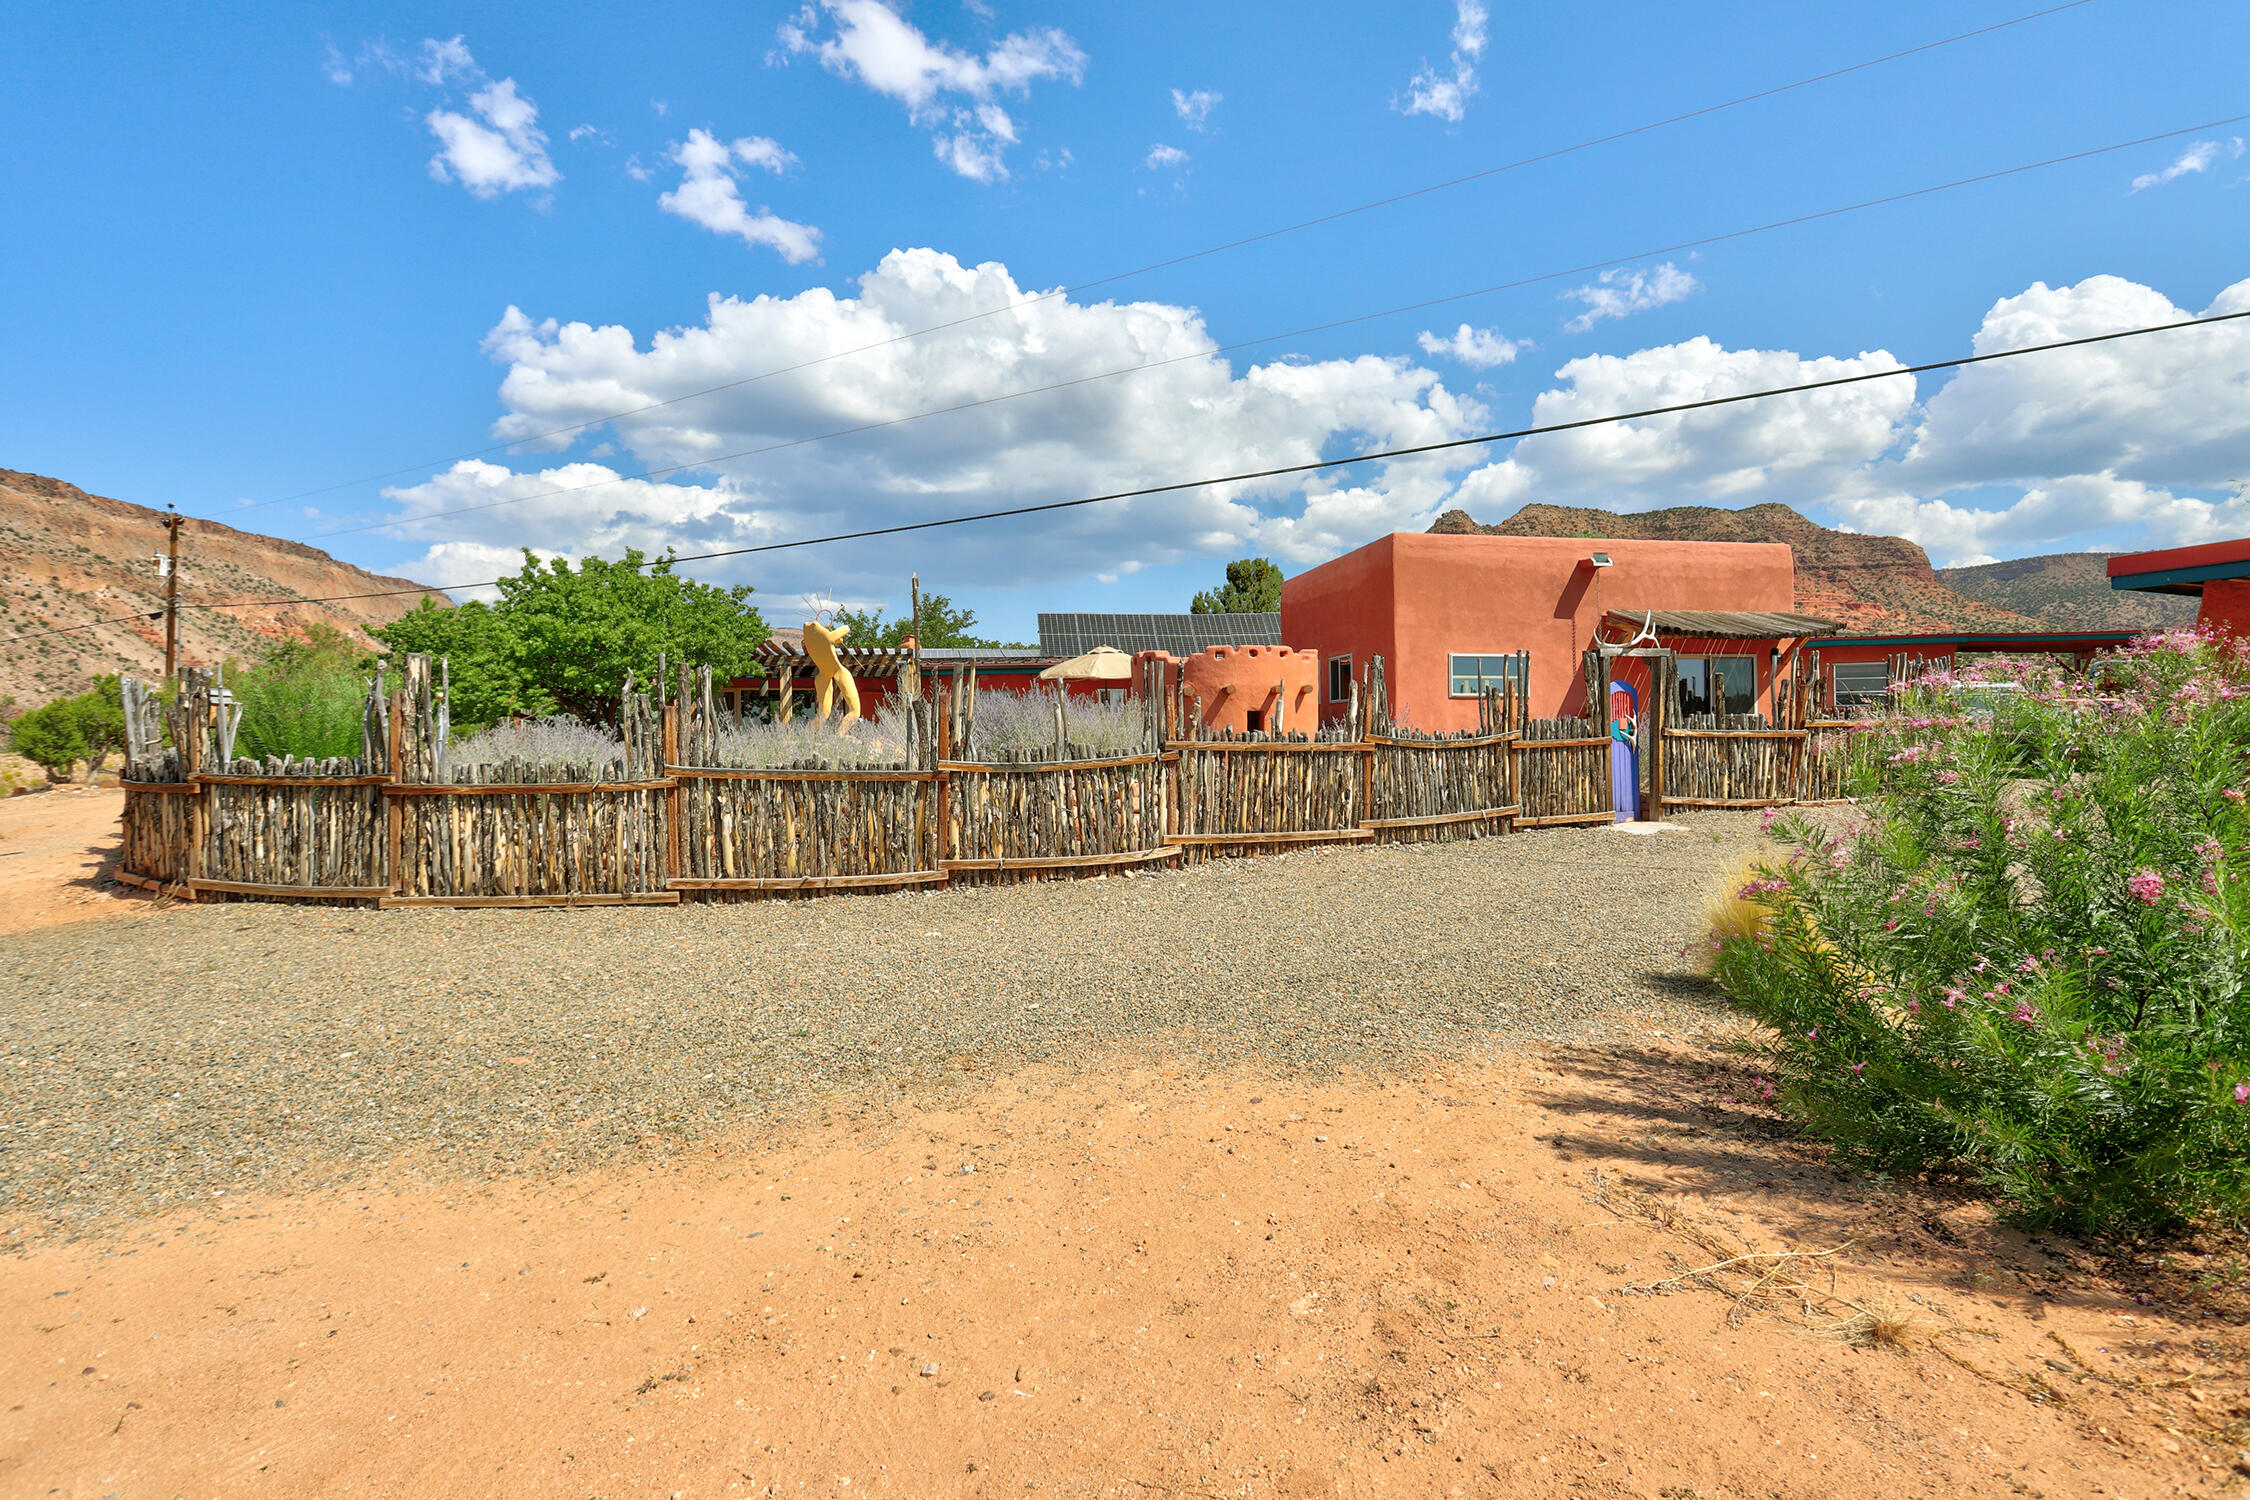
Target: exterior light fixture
1599 560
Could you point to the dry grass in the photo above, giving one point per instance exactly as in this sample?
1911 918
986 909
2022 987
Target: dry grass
1877 1324
1727 913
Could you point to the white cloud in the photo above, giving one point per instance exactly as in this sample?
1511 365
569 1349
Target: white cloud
1194 109
501 150
1479 348
1447 95
1193 414
446 62
1162 157
1621 293
948 91
334 65
594 133
710 194
2196 158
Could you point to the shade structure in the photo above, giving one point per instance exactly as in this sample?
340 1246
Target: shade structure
1103 664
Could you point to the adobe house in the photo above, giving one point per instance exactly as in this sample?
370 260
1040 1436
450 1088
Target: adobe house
1446 612
2218 573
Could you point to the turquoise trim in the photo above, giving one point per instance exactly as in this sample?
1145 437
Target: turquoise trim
2171 579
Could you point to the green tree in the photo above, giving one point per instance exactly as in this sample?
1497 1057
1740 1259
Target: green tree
944 625
485 689
60 734
561 639
1253 587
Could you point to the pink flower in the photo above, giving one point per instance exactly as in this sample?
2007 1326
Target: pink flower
1858 1068
2233 794
2024 1013
2242 1093
2148 886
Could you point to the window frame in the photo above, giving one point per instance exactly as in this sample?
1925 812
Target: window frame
1480 657
1345 658
1837 693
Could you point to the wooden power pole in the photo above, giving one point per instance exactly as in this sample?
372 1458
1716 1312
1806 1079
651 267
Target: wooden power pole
171 594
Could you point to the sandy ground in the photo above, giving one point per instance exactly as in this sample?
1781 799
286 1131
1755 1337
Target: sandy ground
56 849
1469 1277
1147 1283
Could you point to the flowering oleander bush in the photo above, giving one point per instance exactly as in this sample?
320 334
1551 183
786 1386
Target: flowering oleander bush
2024 959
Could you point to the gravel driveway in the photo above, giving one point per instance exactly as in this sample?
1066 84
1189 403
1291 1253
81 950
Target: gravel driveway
150 1064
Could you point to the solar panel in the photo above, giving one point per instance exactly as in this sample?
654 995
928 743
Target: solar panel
1067 635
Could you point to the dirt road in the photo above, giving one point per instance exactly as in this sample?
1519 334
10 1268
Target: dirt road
1134 1283
55 847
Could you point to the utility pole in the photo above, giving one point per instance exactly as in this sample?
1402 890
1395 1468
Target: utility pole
172 593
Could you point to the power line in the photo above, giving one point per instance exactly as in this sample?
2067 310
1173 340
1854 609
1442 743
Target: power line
659 470
1537 430
1317 220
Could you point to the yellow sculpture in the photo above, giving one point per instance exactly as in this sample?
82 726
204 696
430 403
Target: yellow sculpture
820 645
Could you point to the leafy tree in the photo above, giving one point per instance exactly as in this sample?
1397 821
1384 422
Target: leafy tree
1253 587
485 690
943 625
69 730
561 639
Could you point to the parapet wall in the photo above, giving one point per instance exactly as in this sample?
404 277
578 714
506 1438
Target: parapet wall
1239 682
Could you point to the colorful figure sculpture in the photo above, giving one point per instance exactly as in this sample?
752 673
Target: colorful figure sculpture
1624 751
829 674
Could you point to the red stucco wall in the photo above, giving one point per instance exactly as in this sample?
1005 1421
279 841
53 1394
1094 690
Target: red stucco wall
1418 598
2226 605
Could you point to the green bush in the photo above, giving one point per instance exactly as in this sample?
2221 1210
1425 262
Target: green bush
305 700
58 735
2026 961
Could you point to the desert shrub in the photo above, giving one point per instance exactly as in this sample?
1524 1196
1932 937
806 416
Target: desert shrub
760 743
58 735
2025 959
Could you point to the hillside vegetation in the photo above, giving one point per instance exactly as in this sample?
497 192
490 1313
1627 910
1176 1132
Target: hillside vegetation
68 558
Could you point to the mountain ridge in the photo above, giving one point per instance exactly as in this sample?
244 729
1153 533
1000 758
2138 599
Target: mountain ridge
69 558
1870 585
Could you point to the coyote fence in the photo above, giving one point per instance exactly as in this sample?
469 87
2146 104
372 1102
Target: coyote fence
410 821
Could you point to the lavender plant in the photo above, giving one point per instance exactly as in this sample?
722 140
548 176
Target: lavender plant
2025 960
1007 722
555 741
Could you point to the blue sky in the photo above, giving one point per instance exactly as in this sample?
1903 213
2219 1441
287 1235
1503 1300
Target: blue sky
257 251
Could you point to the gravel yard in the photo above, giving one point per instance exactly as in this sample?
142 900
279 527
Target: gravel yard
220 1048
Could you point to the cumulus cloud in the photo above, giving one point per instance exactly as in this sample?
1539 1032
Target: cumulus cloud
1478 348
1194 109
950 92
1193 413
1163 158
1447 95
710 193
2140 442
2196 158
1621 293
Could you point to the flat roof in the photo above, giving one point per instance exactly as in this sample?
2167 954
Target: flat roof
2180 570
1732 624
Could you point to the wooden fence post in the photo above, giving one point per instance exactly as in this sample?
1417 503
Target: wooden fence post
1661 693
395 811
941 846
672 862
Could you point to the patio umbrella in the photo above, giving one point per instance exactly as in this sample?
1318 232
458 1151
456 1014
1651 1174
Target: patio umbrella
1103 663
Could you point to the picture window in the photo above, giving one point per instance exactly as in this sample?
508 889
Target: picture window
1473 675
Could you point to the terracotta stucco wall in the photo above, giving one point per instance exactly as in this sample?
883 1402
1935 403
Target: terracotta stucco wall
1419 598
1342 608
1237 681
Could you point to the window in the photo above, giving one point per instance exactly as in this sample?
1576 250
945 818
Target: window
1473 675
1736 675
1862 681
1339 679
